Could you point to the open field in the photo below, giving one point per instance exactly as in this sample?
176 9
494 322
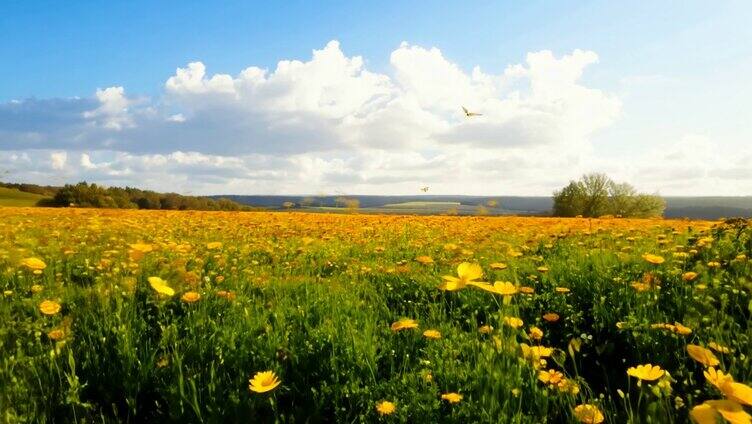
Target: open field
699 207
156 316
13 197
415 208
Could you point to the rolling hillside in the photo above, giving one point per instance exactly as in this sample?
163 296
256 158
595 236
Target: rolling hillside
13 197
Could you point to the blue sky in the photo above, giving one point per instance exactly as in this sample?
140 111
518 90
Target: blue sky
677 69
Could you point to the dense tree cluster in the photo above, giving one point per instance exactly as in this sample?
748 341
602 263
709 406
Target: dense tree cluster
94 196
597 195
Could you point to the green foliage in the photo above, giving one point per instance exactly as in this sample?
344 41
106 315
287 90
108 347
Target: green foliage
596 195
47 191
93 196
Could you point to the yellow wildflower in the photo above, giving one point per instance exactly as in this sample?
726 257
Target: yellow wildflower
646 372
263 381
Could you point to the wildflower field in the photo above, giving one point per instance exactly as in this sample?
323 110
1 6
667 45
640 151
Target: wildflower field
155 316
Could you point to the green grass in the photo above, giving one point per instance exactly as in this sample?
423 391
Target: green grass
13 197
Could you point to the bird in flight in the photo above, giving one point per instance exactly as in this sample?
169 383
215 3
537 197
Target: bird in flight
469 114
424 189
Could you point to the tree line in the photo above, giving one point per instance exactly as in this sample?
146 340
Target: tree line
87 195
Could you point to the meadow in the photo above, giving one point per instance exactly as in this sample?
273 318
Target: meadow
163 316
13 197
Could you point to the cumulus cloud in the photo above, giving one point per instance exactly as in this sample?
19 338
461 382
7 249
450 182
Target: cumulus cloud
112 112
329 124
58 160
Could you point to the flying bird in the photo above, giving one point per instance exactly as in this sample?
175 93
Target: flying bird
424 189
469 114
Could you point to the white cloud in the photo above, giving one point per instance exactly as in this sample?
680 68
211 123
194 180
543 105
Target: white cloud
329 124
112 112
58 160
178 117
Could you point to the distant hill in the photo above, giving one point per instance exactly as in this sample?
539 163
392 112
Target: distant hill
504 205
706 207
15 197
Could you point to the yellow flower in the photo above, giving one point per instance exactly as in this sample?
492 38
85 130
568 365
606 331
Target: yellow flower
588 414
653 259
34 264
681 329
702 355
263 381
36 288
432 334
160 286
425 260
704 414
641 287
738 392
485 329
513 322
503 288
514 253
719 348
536 333
567 386
562 290
452 397
526 290
404 324
551 317
731 411
646 372
385 407
141 247
190 297
535 354
466 273
542 269
551 377
56 334
536 351
229 295
214 245
717 377
498 266
689 276
49 307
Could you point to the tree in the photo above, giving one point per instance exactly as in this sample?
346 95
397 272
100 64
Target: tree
569 201
597 195
93 196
